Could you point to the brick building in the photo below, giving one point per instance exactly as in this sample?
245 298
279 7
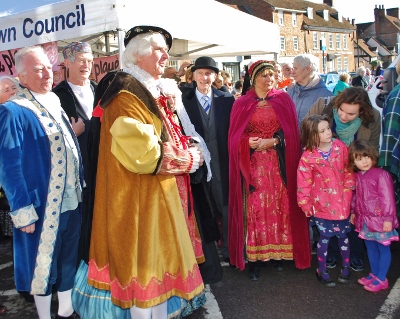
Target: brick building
381 37
302 26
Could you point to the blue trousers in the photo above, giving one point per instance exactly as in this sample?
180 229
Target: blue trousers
64 263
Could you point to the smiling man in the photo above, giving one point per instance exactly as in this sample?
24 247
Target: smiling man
77 93
41 176
209 110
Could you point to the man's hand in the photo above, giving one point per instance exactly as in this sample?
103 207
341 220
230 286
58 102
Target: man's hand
77 126
28 229
182 70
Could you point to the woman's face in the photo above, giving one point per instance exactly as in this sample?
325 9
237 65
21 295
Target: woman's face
300 74
264 81
155 62
348 112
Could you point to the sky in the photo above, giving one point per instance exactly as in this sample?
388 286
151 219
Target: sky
361 10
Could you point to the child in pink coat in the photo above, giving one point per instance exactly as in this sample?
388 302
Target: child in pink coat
373 212
325 190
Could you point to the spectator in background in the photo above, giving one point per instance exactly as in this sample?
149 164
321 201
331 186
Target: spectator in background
378 70
171 73
8 88
287 70
342 84
77 93
359 80
389 157
227 80
237 89
309 85
219 83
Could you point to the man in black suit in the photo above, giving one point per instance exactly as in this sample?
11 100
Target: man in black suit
209 111
77 93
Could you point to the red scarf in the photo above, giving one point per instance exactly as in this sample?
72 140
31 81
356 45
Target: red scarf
242 112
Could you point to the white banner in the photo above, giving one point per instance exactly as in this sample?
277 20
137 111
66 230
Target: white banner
59 21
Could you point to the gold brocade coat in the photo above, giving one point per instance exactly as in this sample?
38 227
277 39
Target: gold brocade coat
140 247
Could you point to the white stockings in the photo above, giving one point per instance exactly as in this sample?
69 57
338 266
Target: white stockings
157 312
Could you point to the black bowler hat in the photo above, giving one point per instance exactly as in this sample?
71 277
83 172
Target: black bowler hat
205 62
130 34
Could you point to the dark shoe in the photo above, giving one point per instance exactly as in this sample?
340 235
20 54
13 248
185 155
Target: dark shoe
324 278
3 309
357 265
27 296
330 263
73 316
228 260
254 271
277 264
344 277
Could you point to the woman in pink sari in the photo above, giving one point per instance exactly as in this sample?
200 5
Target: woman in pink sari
264 218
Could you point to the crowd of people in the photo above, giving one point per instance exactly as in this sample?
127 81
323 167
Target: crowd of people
102 179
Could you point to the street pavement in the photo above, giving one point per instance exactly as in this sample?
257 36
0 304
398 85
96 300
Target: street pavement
287 294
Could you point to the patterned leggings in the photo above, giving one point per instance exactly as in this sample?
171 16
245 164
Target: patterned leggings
322 250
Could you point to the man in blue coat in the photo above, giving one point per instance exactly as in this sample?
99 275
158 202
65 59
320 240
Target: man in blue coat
41 175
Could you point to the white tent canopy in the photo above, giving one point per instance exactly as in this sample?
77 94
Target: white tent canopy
196 26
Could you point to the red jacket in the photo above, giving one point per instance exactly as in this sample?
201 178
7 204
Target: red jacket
325 187
374 201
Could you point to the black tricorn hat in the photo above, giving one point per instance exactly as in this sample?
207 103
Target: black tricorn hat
130 34
205 62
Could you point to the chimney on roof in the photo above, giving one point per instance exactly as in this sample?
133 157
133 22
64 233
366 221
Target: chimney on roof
329 3
379 14
353 21
393 12
310 13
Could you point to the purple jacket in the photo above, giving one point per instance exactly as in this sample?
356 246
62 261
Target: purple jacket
374 201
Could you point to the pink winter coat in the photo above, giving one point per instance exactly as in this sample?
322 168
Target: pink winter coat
374 201
325 187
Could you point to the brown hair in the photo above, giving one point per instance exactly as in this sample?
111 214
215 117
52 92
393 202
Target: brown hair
344 77
361 148
357 95
309 130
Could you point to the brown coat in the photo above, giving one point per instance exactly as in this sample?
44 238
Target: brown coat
140 247
371 133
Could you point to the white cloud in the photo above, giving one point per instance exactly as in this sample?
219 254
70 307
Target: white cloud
5 13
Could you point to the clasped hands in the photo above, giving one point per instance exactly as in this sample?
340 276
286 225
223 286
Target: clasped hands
260 144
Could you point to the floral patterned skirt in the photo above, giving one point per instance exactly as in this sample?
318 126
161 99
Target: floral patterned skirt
384 238
268 231
330 228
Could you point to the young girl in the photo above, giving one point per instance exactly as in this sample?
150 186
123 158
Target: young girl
374 212
324 191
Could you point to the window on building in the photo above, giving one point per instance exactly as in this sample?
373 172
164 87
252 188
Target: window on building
315 40
345 64
331 41
345 42
280 17
322 35
295 43
283 45
339 63
337 41
294 18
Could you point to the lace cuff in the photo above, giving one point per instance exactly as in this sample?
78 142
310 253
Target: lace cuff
24 216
